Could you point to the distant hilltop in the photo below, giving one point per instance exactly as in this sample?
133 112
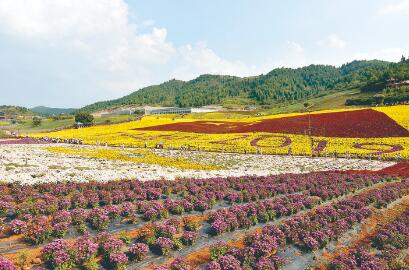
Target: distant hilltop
280 86
52 111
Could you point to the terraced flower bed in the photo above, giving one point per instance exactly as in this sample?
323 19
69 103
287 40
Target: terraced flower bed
134 224
365 123
380 133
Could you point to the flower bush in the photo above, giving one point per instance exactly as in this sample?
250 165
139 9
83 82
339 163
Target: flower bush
60 229
138 251
85 249
99 219
5 264
180 264
4 207
357 259
18 226
79 216
164 245
189 238
243 216
58 254
111 245
38 230
118 260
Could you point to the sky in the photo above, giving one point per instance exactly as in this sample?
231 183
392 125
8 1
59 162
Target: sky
70 53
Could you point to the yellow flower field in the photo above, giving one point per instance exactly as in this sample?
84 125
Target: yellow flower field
126 134
398 113
138 156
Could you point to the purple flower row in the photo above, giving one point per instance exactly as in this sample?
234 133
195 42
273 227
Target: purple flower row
47 198
314 230
258 253
62 255
388 242
244 216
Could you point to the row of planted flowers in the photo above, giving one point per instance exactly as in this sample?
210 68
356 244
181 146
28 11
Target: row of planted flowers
113 251
162 237
308 231
50 197
383 250
38 227
227 219
20 200
315 229
247 215
173 234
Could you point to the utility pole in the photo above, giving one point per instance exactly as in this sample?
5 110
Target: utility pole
307 107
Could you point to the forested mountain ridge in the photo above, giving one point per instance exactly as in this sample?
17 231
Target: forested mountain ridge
15 110
279 85
47 111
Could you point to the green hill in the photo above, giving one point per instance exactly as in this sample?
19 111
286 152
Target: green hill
281 85
15 110
52 111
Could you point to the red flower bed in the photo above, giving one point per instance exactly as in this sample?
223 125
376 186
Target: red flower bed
365 123
400 169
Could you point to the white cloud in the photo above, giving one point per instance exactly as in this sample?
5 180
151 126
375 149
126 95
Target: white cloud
124 58
62 20
99 28
388 54
332 41
400 6
291 55
199 59
148 23
296 47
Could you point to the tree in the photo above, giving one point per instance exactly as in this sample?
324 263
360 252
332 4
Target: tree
403 59
85 118
306 105
379 98
36 121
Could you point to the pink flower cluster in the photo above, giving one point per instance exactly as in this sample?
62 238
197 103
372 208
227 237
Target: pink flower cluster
246 215
118 260
5 264
138 251
57 254
177 264
85 249
164 245
258 252
316 229
357 259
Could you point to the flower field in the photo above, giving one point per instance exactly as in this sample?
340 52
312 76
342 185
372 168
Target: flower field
139 155
191 223
224 209
373 133
50 163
